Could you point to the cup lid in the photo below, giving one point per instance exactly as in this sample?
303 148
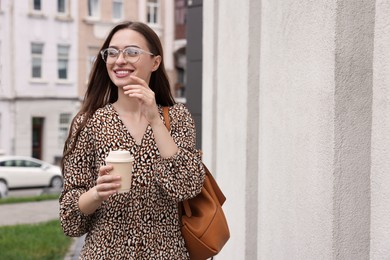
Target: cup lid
119 156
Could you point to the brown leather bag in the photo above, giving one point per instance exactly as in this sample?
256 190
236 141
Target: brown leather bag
204 226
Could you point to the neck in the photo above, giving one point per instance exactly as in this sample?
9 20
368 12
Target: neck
126 104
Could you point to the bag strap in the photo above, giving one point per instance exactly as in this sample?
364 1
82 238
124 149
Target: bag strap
166 118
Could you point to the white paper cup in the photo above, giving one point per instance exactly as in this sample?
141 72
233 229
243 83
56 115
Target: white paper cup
122 163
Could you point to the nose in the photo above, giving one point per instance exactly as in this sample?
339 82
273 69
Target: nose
121 58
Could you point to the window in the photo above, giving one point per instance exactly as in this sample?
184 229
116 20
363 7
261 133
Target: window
19 163
36 55
93 8
117 9
62 7
180 12
91 58
153 9
9 163
31 164
63 128
36 9
38 124
180 19
63 60
37 5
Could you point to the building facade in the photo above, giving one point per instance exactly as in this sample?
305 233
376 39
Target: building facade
38 76
296 123
46 52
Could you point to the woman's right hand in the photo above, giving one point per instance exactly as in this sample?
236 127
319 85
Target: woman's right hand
106 184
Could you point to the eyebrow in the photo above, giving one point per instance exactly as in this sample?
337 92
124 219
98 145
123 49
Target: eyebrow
127 46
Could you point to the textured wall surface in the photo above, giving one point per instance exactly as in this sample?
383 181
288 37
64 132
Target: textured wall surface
353 123
295 124
225 109
296 129
380 165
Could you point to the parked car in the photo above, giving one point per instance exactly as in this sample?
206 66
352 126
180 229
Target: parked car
3 190
19 172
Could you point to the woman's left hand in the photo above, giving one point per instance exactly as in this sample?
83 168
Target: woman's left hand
146 97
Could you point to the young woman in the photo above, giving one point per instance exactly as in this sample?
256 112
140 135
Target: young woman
122 109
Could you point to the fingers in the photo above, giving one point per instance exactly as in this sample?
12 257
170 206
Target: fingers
106 184
143 93
139 91
105 169
107 189
139 80
139 86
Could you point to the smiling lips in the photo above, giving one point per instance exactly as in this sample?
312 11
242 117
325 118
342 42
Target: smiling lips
123 73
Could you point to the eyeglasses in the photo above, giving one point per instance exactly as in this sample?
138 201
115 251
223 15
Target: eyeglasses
130 54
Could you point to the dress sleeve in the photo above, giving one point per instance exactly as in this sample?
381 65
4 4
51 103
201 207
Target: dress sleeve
79 174
181 175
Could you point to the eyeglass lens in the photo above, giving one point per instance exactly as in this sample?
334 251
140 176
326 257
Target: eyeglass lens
130 54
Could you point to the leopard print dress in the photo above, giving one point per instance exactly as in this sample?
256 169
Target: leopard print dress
142 223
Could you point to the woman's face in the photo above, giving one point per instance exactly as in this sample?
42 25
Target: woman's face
122 68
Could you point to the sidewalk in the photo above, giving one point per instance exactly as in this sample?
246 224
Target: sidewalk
28 213
36 212
75 248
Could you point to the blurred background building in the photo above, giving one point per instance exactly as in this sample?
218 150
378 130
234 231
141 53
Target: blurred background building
46 52
39 75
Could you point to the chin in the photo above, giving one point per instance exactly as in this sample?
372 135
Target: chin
121 84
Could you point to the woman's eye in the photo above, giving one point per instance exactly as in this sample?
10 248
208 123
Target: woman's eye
132 52
112 53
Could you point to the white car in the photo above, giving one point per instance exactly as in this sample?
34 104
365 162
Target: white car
17 172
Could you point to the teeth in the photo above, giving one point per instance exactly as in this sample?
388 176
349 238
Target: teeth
122 72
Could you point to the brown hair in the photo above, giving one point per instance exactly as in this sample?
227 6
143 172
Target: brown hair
101 90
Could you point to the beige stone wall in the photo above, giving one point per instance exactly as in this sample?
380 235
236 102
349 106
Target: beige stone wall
380 164
295 126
